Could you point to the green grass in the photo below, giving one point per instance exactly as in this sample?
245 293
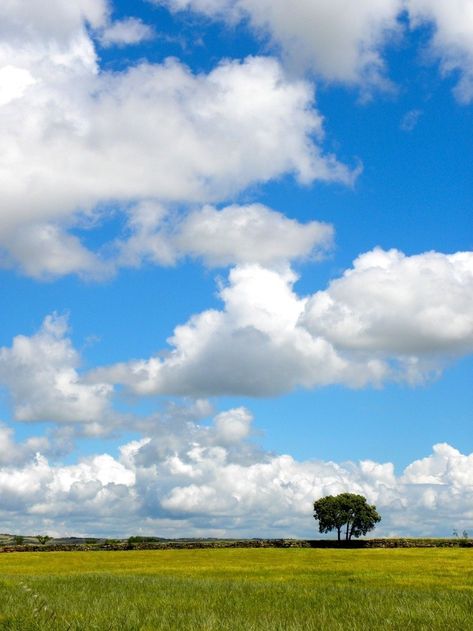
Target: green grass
238 589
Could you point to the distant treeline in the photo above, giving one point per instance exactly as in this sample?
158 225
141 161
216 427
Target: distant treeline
155 543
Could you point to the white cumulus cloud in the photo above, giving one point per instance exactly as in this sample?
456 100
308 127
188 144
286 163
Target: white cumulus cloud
344 41
232 235
340 40
40 373
13 453
13 83
254 346
389 317
452 40
403 305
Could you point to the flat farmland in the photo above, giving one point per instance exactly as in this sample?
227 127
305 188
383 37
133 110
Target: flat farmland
238 589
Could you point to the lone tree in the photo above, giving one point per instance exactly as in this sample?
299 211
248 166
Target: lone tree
348 512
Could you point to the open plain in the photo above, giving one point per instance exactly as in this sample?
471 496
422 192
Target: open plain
238 589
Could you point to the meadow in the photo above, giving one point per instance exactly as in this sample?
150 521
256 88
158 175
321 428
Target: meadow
238 589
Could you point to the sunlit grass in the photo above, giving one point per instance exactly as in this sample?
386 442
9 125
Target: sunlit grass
238 589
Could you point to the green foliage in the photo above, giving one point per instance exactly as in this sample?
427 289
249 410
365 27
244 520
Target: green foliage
348 512
237 590
139 539
18 540
43 539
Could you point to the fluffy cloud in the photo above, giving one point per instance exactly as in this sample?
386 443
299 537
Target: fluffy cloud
13 83
196 479
254 347
98 486
401 305
283 489
452 40
233 235
341 40
389 317
62 23
126 32
40 373
50 45
446 466
13 453
48 251
77 142
233 426
186 159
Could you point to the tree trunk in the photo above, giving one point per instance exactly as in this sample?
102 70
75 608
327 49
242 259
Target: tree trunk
351 531
348 526
338 530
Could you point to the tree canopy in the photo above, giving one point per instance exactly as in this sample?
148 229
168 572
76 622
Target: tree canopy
345 512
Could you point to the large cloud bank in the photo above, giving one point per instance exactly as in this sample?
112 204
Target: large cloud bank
389 317
197 478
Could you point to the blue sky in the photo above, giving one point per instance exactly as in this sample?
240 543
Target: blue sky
237 271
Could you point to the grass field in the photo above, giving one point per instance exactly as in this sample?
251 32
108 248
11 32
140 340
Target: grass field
238 589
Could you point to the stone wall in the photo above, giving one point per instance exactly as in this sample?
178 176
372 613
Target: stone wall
243 543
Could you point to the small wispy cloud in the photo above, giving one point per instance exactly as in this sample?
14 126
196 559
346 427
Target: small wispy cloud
410 120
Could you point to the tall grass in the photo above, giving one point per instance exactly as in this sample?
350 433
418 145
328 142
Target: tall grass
238 590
